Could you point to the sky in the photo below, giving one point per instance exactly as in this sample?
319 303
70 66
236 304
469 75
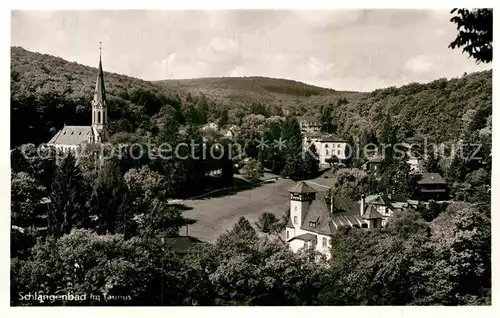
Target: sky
356 50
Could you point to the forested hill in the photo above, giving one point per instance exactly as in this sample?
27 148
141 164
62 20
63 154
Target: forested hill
286 94
47 91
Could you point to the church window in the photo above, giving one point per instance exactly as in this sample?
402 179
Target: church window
295 220
324 242
98 117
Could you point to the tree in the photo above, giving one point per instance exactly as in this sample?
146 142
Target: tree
26 197
475 33
459 269
224 118
68 198
310 163
240 239
144 183
108 196
294 164
252 171
271 225
326 119
159 219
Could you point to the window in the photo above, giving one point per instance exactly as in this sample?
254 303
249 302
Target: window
295 208
339 152
98 117
326 152
329 241
326 145
324 242
104 118
312 224
287 235
294 220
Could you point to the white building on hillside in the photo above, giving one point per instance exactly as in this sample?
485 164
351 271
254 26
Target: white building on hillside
327 146
314 220
213 126
309 123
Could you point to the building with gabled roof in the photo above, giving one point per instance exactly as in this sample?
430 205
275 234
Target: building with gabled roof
72 138
309 123
314 220
327 146
432 186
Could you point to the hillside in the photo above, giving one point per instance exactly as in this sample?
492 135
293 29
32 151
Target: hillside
47 91
291 96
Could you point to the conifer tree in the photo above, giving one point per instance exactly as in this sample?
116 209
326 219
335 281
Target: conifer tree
68 198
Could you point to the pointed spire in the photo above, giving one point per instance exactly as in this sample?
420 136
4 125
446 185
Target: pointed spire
99 94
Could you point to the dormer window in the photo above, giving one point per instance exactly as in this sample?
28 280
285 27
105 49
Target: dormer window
312 224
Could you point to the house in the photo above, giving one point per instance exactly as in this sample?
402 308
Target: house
432 186
232 132
212 126
387 204
74 138
373 164
314 219
309 123
327 146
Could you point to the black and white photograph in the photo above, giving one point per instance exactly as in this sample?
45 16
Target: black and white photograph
250 157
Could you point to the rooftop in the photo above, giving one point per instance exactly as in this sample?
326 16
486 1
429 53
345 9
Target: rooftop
71 135
431 178
302 187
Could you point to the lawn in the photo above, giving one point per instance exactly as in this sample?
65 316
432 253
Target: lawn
215 216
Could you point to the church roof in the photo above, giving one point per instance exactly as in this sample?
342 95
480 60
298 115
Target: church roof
302 187
371 213
71 135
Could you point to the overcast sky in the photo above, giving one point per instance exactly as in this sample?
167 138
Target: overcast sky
357 50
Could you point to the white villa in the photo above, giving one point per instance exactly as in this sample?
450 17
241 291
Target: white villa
313 220
309 123
327 146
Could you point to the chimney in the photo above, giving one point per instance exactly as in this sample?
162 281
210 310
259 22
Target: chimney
362 205
331 204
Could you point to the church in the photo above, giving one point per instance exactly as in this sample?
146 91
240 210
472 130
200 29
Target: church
74 138
314 219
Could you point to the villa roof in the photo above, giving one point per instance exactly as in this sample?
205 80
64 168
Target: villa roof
431 178
319 219
309 118
71 135
306 237
331 138
371 213
302 187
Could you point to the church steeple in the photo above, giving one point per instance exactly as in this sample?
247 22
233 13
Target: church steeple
99 93
99 109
